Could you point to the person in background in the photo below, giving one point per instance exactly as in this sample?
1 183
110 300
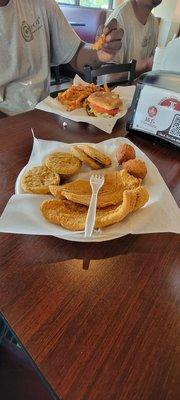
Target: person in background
34 35
140 32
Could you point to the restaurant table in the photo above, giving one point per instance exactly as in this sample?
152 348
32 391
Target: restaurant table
99 320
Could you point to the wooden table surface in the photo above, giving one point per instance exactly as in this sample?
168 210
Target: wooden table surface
101 321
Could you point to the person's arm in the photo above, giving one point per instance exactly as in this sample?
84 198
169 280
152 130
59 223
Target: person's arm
85 55
67 48
144 65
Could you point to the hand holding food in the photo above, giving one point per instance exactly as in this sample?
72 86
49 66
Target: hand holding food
109 42
100 40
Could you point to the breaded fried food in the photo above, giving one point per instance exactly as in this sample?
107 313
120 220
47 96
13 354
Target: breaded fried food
97 155
136 168
111 192
124 153
98 45
75 96
83 157
129 181
37 180
63 163
72 216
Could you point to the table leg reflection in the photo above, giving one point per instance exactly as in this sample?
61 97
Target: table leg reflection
86 263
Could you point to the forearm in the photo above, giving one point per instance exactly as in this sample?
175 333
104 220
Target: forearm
144 66
85 56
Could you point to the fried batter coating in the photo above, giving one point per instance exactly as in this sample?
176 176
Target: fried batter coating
99 43
73 216
75 96
124 153
97 155
136 168
111 192
83 157
63 163
37 180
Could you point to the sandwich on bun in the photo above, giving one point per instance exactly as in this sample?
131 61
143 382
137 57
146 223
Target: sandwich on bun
103 104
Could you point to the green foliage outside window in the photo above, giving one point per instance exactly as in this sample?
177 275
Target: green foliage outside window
88 3
94 3
66 1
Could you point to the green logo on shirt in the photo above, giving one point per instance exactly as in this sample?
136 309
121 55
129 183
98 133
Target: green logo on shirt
26 32
145 42
29 30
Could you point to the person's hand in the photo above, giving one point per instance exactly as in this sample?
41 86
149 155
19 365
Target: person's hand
113 42
150 61
144 65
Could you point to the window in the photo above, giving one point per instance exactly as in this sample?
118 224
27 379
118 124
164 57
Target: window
89 3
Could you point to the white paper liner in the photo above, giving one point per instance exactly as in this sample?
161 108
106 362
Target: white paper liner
161 213
80 115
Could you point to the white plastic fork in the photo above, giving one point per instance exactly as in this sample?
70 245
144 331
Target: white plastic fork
96 182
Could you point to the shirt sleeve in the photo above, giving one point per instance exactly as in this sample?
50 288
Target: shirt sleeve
64 41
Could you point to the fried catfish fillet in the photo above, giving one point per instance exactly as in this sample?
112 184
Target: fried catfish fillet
111 192
72 216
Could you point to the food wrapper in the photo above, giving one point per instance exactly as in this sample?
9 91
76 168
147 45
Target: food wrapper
160 214
80 115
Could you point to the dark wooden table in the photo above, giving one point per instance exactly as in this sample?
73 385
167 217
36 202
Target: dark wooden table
100 321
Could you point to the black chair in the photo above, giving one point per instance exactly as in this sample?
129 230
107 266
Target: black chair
60 80
59 75
91 75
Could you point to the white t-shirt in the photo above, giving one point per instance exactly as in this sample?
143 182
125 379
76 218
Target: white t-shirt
34 35
139 41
